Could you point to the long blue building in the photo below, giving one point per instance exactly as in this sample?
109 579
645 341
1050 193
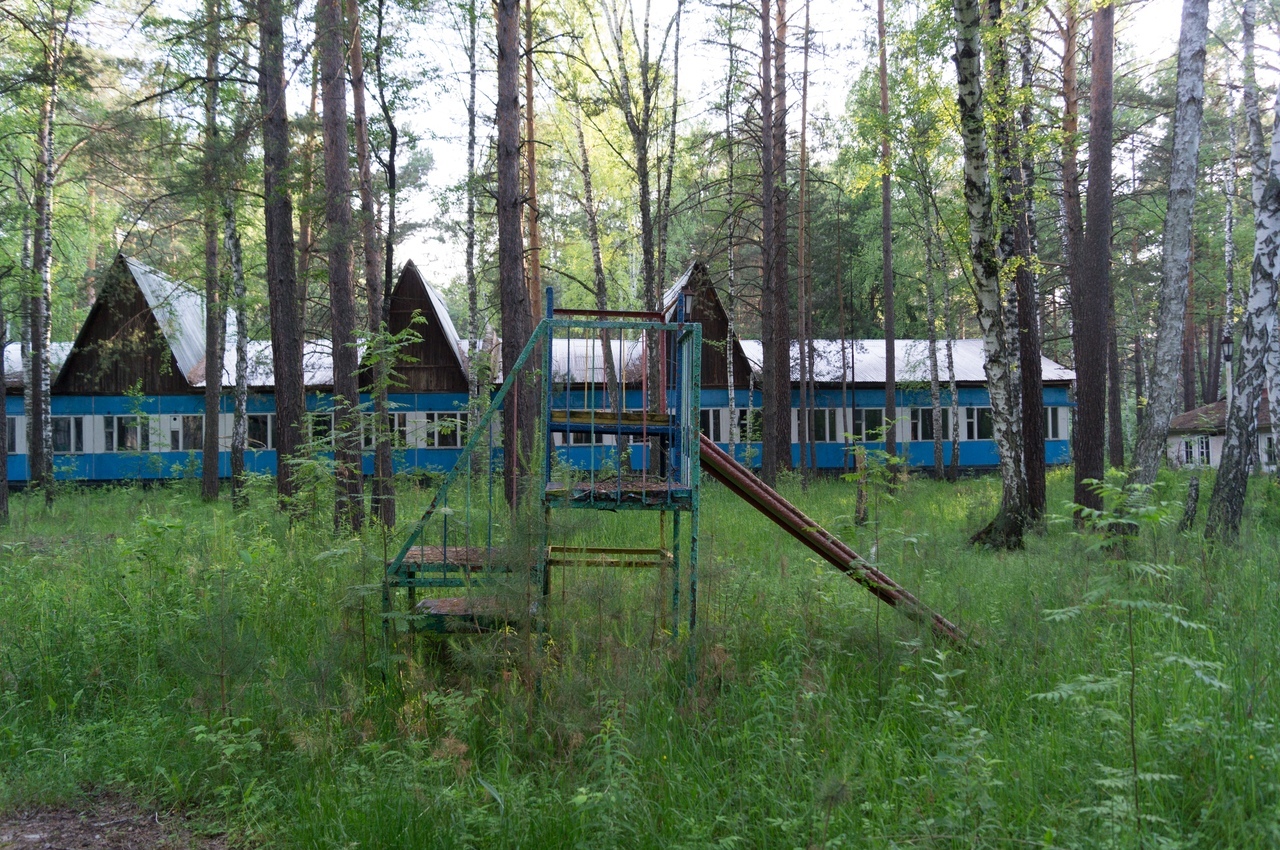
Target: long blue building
127 395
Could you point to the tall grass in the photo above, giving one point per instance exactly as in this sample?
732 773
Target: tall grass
233 665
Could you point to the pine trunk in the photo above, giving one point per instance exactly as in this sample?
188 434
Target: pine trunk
214 316
282 282
886 250
383 499
771 336
339 235
517 316
1025 283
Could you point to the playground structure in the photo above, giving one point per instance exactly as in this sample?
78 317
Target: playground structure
617 431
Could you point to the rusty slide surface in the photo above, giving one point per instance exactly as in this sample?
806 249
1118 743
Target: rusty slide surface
725 469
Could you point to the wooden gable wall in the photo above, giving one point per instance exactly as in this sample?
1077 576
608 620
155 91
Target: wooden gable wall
429 365
708 311
121 347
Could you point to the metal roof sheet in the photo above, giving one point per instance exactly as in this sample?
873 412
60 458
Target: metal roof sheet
13 375
863 361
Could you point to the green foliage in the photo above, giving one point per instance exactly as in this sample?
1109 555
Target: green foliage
225 663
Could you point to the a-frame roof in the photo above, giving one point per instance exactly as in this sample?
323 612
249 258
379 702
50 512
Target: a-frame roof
438 361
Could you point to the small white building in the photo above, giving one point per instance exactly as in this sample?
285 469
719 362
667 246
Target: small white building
1196 437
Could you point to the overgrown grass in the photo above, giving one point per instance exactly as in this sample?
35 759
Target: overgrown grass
153 644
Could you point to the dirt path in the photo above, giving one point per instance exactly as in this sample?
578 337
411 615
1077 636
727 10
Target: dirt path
105 823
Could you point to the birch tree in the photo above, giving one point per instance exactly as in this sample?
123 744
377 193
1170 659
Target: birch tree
1259 342
1006 529
1171 312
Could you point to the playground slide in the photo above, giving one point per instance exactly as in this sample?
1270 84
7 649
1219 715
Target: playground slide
725 469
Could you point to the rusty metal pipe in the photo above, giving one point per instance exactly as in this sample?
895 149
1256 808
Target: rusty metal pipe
746 485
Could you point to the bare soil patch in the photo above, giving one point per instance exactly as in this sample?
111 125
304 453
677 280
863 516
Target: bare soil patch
102 823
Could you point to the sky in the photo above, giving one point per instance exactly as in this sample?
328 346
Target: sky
844 34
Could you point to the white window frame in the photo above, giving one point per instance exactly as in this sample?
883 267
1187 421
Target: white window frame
857 419
1204 451
111 426
973 423
922 415
711 422
270 442
1052 424
74 439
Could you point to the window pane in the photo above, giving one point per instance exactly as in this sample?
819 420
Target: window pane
193 433
446 431
109 428
126 433
258 431
873 423
61 426
11 435
986 427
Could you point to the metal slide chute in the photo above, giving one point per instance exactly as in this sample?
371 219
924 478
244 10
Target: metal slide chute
721 466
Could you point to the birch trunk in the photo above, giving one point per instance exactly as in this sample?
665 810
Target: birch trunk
1027 320
1005 530
349 502
1172 308
39 429
886 250
931 322
1257 340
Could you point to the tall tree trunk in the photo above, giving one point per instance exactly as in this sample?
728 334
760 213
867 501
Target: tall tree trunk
339 234
214 315
1007 527
886 247
473 290
808 355
1028 304
781 285
931 322
1177 241
1189 334
731 239
597 265
383 499
306 242
669 167
1260 352
240 420
517 316
1091 278
1229 250
282 282
771 336
1258 342
531 168
39 430
25 304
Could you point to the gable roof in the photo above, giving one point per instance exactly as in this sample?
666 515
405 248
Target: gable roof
1212 418
456 345
13 374
862 361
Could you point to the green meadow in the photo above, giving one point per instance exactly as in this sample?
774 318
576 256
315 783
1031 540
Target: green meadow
1117 690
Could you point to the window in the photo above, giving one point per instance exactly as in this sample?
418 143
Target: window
321 427
586 438
1051 423
750 425
261 431
1188 452
1204 456
978 424
12 435
186 433
68 434
127 433
1269 450
868 424
442 430
822 426
922 423
710 422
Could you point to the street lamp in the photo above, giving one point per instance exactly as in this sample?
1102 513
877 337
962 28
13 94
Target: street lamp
1228 346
